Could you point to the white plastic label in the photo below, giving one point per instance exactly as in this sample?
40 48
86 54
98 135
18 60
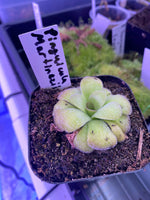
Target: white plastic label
93 9
100 24
37 15
118 39
44 50
145 74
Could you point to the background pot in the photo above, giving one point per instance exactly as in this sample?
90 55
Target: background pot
132 6
138 29
117 15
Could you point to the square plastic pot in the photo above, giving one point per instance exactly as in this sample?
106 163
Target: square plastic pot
138 29
50 154
115 14
132 6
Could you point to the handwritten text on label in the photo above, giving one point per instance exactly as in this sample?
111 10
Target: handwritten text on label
45 53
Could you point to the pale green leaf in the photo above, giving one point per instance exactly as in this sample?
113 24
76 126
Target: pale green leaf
65 94
89 85
124 123
97 99
117 131
100 137
78 101
110 111
70 119
108 92
62 105
90 112
80 140
122 101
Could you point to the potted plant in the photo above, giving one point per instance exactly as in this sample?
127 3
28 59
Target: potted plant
107 17
52 155
116 15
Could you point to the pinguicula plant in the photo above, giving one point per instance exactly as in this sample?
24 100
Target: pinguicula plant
96 118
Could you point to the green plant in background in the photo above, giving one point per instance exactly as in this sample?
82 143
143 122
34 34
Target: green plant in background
84 49
89 60
97 118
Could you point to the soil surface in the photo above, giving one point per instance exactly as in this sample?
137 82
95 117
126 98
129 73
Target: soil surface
141 19
51 156
134 6
112 13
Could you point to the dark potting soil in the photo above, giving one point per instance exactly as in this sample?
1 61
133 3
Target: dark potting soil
141 19
113 14
51 156
134 6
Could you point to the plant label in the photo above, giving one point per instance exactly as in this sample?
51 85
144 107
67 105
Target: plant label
145 74
44 50
37 15
93 9
118 39
100 24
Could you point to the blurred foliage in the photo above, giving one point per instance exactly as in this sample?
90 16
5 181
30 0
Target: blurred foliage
88 60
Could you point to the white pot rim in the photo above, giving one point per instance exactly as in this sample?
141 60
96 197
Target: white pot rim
113 7
130 11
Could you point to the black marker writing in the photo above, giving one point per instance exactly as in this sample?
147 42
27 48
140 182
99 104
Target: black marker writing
53 51
53 45
57 58
46 61
61 72
51 32
64 79
39 38
52 79
39 49
48 66
51 56
48 71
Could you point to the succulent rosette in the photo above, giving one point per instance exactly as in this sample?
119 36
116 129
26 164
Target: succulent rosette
97 118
